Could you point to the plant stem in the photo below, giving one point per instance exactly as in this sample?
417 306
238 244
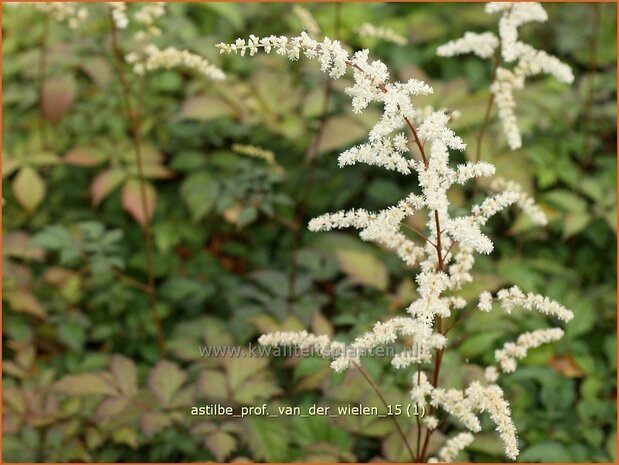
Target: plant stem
311 155
41 73
133 120
484 125
440 262
371 382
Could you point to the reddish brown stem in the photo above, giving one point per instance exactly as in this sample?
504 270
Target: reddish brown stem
133 120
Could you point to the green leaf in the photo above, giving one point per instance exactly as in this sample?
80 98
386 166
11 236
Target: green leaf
547 451
125 375
104 183
199 192
363 268
267 438
251 391
28 188
58 96
213 385
164 380
220 444
134 204
205 108
84 384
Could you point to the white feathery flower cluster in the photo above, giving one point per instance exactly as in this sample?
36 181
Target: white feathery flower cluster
493 205
452 447
507 356
388 153
485 301
456 403
434 128
442 272
466 231
431 422
460 269
146 16
490 399
525 201
513 16
514 297
430 303
491 374
527 60
302 340
170 57
70 12
307 20
386 333
119 14
382 33
422 388
503 90
483 45
382 228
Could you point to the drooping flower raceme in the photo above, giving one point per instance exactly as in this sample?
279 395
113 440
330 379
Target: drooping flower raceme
444 250
515 60
155 58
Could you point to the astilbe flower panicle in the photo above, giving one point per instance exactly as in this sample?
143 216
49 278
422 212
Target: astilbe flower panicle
445 254
515 60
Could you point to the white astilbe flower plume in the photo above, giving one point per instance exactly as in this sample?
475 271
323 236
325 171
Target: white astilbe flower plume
452 447
382 33
507 356
170 57
444 248
515 62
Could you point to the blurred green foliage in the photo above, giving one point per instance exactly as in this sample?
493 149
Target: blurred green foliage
83 379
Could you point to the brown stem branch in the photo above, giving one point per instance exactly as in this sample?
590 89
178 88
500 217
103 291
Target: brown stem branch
384 402
133 120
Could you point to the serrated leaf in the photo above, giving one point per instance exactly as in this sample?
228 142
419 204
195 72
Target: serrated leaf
104 183
28 188
250 391
213 385
84 384
220 444
244 367
125 375
134 204
153 422
199 192
267 438
164 380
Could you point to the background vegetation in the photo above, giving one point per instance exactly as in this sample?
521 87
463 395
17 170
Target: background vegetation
84 377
